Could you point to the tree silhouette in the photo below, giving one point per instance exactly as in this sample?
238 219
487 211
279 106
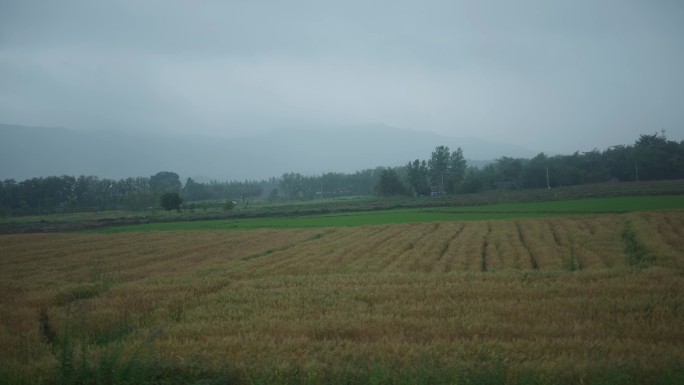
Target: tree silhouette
170 201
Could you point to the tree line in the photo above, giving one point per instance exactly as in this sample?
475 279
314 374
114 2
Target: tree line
68 194
651 157
443 173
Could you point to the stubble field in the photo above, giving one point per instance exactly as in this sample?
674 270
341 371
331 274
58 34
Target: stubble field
591 299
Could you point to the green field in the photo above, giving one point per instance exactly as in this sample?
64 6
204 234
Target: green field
504 202
442 214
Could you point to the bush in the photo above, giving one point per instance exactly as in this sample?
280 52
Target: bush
229 205
170 201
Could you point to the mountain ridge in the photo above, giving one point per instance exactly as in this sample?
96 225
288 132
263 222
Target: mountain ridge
28 152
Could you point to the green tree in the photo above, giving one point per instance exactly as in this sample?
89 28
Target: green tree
439 166
170 201
456 171
194 191
535 171
620 162
417 177
49 205
292 185
477 180
658 158
165 181
390 184
509 171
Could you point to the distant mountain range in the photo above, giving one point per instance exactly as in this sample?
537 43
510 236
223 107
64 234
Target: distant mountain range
27 152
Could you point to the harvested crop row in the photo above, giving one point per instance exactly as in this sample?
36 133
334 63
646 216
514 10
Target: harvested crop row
397 295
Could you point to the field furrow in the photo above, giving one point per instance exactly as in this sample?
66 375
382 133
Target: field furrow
405 241
408 258
484 257
581 242
543 245
570 295
432 248
532 259
465 253
442 264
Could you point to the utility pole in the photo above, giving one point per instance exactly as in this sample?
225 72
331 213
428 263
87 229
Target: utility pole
548 185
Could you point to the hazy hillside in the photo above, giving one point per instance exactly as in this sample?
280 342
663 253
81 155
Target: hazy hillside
27 152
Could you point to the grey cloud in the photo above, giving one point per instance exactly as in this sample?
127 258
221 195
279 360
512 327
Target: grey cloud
551 75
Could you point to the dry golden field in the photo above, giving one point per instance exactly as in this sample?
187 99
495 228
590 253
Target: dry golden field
576 299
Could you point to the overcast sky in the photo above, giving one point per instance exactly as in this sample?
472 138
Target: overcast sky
550 75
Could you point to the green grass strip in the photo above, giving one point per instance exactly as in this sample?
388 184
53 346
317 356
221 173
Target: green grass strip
443 214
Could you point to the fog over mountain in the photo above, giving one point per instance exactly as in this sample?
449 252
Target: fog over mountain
553 76
27 152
